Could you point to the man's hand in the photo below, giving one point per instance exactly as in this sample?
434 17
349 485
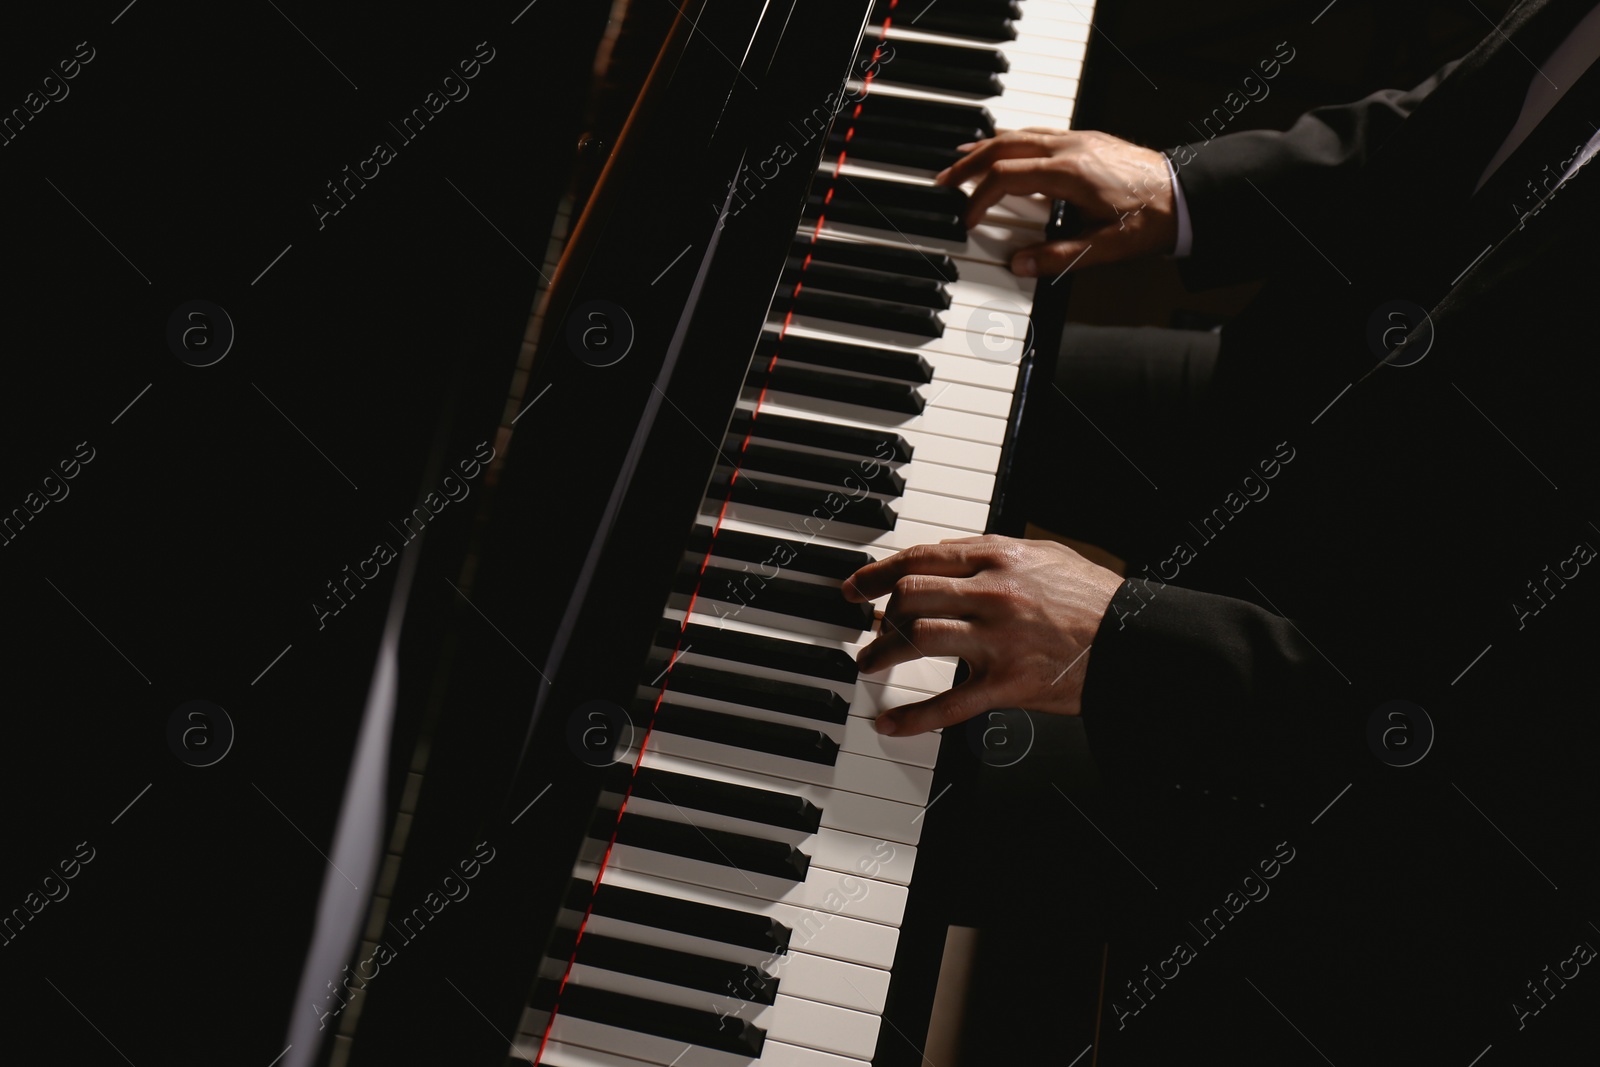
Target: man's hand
1021 613
1123 193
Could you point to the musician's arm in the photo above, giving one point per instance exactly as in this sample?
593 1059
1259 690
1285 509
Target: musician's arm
1041 627
1238 188
1178 670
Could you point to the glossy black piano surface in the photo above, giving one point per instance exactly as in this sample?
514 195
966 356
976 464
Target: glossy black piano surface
540 590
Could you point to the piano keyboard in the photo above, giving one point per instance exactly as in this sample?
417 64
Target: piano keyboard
748 908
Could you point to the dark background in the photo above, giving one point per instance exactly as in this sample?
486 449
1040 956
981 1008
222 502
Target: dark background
195 541
189 550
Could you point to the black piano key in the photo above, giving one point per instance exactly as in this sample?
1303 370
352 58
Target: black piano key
892 109
822 505
791 698
974 25
805 600
756 735
947 79
769 806
818 433
743 852
688 970
913 131
807 558
1008 9
900 153
830 385
907 366
938 54
727 926
946 226
826 470
857 281
693 1027
861 310
794 656
888 258
887 193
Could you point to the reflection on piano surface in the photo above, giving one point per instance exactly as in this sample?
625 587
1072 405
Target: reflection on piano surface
706 856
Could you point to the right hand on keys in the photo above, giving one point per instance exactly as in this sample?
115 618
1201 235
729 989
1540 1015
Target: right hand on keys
1122 191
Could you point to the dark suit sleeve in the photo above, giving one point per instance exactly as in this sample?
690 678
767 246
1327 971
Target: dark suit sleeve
1174 673
1236 185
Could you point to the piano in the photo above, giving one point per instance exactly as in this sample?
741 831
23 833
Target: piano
769 352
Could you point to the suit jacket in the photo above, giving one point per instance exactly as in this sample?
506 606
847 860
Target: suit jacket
1361 535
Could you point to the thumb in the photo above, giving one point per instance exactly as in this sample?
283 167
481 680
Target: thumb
946 709
1105 245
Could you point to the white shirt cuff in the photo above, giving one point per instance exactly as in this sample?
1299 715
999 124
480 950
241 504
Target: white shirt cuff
1181 209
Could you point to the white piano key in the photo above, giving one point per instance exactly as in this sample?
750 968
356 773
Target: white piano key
1010 117
558 1054
853 813
978 294
1062 21
1054 23
1032 84
847 985
987 242
991 362
906 534
857 774
937 396
870 899
854 735
872 168
921 479
1043 55
935 448
940 510
948 481
1007 114
1028 43
576 1034
837 932
925 675
1017 211
800 974
935 420
830 848
570 1034
793 1020
959 361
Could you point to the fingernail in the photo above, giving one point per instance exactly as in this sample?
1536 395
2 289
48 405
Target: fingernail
939 178
884 725
1025 266
969 146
